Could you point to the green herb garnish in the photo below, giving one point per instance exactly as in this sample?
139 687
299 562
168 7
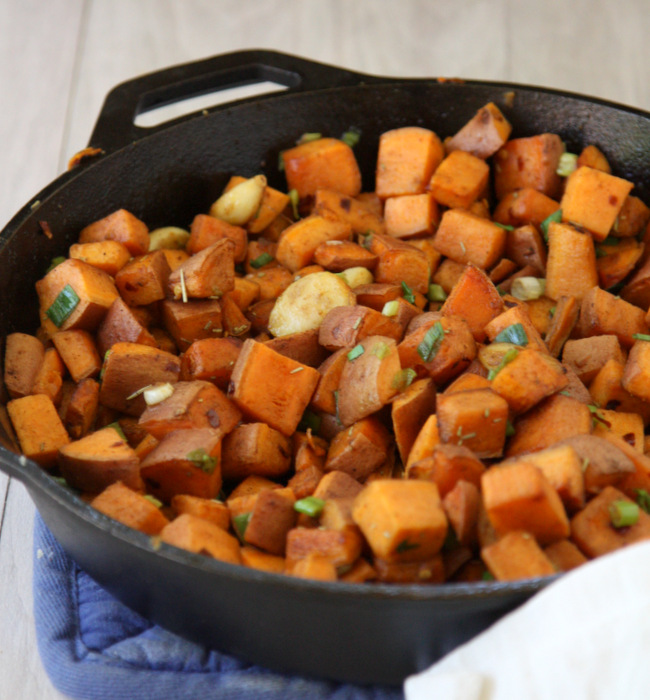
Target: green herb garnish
356 351
55 261
309 420
403 378
623 513
641 336
201 459
351 136
65 303
261 260
513 334
294 198
408 293
555 217
240 523
508 357
118 429
643 499
430 344
507 227
436 293
310 506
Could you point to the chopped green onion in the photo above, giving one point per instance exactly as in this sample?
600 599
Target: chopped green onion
310 506
309 420
408 293
55 261
309 136
556 217
405 546
643 499
351 136
154 500
527 288
403 378
281 161
507 227
294 198
336 404
65 303
430 344
381 350
117 428
157 393
261 260
436 293
201 459
356 351
390 308
600 253
508 357
610 240
510 429
240 523
641 336
568 163
623 513
487 576
513 334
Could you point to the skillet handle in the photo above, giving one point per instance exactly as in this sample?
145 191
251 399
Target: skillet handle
115 127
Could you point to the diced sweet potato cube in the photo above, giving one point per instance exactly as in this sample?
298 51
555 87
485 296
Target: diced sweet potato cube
289 386
618 261
553 419
121 324
79 353
201 537
629 426
207 508
271 518
632 218
562 324
409 411
341 547
315 566
636 376
425 442
38 428
206 230
128 368
602 313
529 162
130 508
143 280
411 215
98 460
516 556
211 359
518 496
187 322
345 326
377 294
402 520
592 157
447 465
24 356
593 530
304 482
593 199
120 226
81 410
256 559
109 256
524 207
185 461
429 571
406 159
49 378
564 555
400 262
475 419
302 346
255 448
360 449
324 163
571 266
483 135
208 273
467 238
516 315
359 214
459 180
528 378
336 256
195 404
93 291
461 506
607 391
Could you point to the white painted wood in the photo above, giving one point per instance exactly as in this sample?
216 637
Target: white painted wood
58 59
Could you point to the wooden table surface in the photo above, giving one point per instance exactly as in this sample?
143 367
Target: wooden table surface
59 58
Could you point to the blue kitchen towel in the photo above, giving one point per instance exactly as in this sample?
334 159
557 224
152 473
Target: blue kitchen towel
95 648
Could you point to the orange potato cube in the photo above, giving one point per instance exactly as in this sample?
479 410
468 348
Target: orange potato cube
411 215
120 226
459 180
201 537
467 238
483 135
516 556
130 508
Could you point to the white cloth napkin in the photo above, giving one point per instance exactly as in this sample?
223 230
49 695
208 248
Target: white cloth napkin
587 635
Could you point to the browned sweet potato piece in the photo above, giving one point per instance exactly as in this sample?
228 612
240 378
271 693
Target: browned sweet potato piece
516 556
206 230
632 218
49 378
24 356
289 383
184 462
256 559
409 411
368 382
81 410
255 448
517 496
193 320
483 135
128 368
360 449
78 352
93 287
195 404
587 356
121 226
564 555
411 215
359 214
207 508
529 162
406 159
324 163
98 460
593 531
315 566
208 273
211 359
524 207
143 280
618 261
130 508
525 246
337 256
446 466
271 518
109 256
304 482
516 315
38 428
475 419
592 157
399 262
377 294
461 506
271 281
121 324
467 238
302 347
459 180
607 391
602 313
425 442
564 319
345 326
260 255
429 571
629 426
528 378
553 419
571 265
341 547
402 520
202 537
593 199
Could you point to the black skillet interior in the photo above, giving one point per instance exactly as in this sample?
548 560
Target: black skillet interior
165 175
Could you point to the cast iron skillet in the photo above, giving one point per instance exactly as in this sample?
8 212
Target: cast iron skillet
165 175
